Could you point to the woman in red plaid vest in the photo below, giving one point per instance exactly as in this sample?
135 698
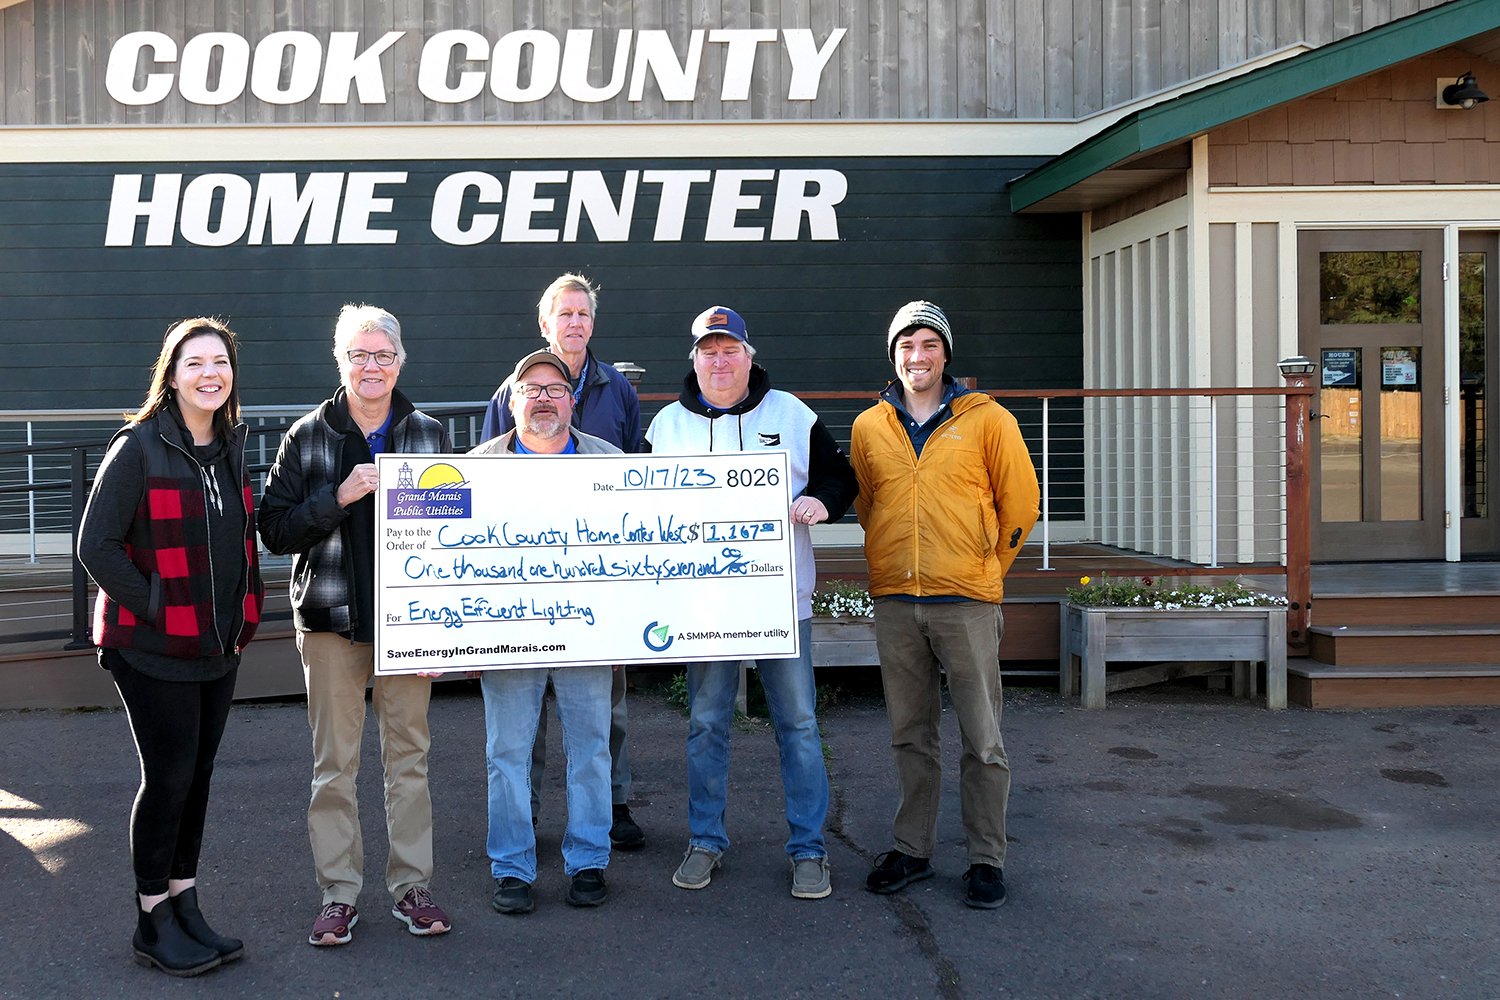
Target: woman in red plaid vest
169 537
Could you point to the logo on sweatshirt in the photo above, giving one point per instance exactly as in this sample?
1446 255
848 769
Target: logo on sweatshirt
769 440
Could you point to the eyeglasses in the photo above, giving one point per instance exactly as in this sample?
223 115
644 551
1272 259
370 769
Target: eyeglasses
382 358
554 390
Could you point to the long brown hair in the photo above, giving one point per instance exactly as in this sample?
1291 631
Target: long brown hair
159 395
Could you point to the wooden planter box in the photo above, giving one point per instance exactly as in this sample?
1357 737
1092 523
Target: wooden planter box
844 642
1095 636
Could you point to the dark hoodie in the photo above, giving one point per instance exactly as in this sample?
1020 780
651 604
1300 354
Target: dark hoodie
766 419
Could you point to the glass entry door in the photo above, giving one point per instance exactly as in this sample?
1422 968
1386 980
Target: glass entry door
1370 309
1478 371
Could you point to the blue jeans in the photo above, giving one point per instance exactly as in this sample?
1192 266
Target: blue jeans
619 749
512 702
792 699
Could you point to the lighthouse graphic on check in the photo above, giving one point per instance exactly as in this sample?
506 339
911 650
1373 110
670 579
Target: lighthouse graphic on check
403 478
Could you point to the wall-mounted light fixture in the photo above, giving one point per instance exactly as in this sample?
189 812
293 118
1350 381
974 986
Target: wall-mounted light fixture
632 372
1296 366
1462 93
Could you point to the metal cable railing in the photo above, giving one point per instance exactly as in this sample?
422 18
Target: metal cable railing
1191 479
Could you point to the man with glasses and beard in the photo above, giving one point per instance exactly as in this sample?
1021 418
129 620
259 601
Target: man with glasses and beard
541 403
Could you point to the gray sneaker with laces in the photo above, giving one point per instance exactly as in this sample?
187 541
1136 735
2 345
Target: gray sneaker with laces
697 868
811 878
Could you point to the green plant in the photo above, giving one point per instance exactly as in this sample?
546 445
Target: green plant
677 693
842 598
1150 592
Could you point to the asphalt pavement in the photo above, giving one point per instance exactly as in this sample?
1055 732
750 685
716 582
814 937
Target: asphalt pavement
1176 844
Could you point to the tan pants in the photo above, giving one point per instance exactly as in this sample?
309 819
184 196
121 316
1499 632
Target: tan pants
912 640
336 672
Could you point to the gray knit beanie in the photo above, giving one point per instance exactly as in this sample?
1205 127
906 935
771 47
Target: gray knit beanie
919 312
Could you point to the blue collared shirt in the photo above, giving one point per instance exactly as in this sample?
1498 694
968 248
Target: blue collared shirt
920 432
521 449
380 437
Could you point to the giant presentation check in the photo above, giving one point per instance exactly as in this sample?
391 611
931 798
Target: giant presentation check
493 561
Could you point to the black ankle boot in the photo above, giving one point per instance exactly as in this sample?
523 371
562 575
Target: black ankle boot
159 941
190 919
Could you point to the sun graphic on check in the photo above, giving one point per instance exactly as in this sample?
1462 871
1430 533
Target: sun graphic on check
441 474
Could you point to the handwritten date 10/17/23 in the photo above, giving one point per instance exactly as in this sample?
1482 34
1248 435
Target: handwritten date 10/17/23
689 477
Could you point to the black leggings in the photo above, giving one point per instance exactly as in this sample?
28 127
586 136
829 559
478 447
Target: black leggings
177 726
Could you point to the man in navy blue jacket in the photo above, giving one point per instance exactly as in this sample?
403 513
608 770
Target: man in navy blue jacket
604 405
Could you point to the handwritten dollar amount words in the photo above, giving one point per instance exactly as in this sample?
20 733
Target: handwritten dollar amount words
727 562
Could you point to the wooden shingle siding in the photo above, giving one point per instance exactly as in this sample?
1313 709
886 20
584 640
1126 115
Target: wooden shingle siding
1379 129
968 59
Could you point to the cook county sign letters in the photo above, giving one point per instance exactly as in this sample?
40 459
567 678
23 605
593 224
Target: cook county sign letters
145 67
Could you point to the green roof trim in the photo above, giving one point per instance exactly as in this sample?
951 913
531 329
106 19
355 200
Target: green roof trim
1217 104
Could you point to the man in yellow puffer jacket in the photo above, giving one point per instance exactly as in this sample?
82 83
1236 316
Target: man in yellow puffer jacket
947 494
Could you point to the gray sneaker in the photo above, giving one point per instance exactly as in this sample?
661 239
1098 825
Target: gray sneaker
810 878
697 868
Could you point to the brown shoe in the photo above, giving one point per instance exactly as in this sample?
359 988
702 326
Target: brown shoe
334 926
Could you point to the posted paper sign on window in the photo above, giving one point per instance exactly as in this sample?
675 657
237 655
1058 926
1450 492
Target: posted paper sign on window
493 561
1398 366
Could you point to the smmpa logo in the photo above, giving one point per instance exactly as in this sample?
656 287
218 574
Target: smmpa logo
657 637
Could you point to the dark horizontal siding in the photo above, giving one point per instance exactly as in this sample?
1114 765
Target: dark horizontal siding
76 314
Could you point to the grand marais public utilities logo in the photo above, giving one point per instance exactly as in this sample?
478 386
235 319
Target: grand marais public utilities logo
657 637
439 492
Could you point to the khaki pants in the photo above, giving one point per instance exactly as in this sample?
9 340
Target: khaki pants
336 672
912 640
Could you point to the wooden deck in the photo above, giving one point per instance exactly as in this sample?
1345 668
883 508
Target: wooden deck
1383 634
1032 593
1387 634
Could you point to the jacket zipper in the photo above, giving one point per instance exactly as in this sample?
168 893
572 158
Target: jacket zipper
916 554
249 539
348 551
213 602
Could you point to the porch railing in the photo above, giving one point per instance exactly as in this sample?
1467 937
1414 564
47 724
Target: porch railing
1202 482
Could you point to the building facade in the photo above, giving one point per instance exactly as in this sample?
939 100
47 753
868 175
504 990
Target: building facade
1115 194
1343 205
